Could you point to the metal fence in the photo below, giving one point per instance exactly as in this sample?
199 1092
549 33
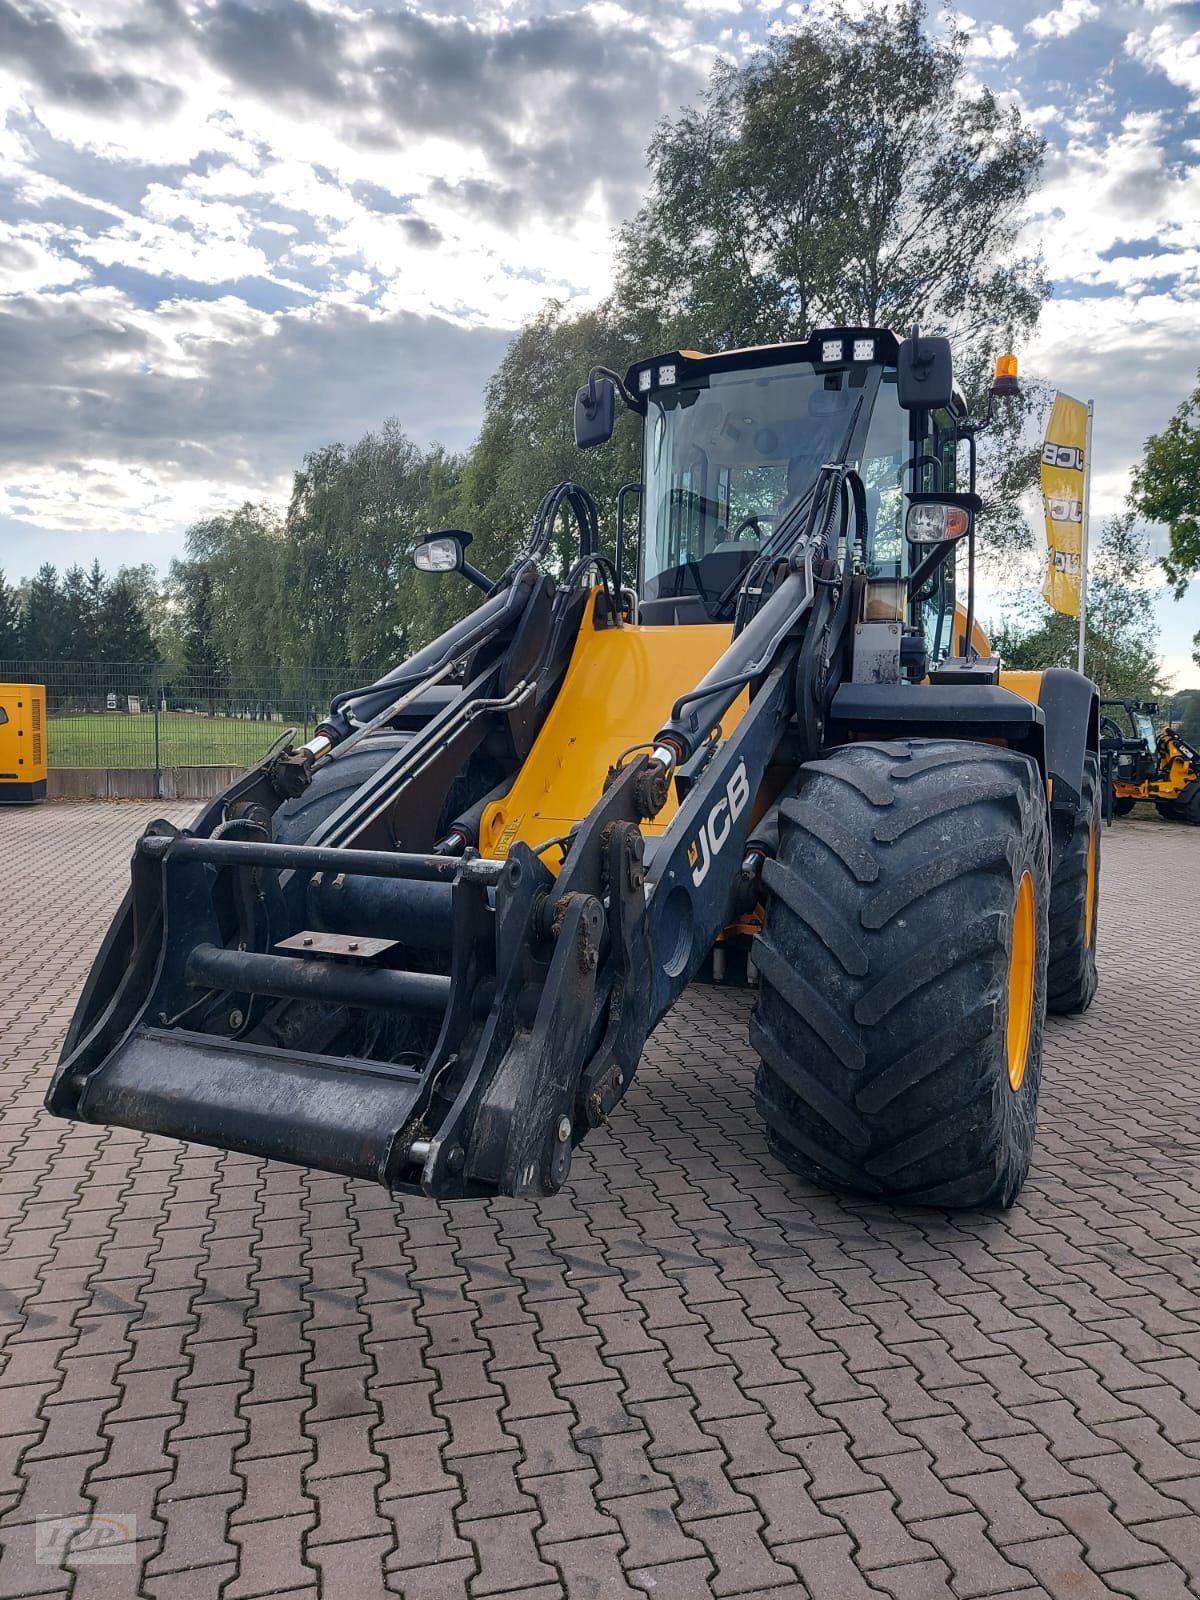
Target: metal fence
151 715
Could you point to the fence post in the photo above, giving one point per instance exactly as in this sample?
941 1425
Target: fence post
156 696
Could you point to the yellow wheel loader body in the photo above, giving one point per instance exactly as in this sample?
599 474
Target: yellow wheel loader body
620 683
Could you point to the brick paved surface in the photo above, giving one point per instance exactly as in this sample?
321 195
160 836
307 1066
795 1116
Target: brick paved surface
689 1374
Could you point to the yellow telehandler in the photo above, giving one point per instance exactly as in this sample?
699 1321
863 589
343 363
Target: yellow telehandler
1162 768
428 947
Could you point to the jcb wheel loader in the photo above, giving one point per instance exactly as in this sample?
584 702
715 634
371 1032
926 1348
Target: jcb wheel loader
428 947
1162 768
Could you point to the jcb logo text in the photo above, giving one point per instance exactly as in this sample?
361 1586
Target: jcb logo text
716 828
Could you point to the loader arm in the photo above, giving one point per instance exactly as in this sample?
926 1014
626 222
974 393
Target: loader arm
218 1011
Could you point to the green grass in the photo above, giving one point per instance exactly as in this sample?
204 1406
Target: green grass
114 739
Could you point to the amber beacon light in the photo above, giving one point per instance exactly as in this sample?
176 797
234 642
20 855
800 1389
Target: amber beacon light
1004 378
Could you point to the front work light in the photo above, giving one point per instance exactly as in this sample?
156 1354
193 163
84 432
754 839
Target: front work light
935 522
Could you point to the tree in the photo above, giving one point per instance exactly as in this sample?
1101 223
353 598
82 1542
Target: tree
45 625
1165 487
235 559
81 612
527 443
11 642
849 174
355 516
1184 711
123 632
189 596
1121 654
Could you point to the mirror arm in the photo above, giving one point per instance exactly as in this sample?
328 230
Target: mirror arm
969 651
479 579
616 379
927 566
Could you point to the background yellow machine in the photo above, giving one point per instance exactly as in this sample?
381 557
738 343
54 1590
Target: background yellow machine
1161 768
22 743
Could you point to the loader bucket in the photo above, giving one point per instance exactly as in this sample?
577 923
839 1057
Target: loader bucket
210 1018
151 1059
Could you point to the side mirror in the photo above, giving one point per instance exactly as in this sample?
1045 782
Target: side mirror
924 373
444 552
595 412
940 518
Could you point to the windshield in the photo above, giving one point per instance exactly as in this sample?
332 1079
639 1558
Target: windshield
726 457
1144 728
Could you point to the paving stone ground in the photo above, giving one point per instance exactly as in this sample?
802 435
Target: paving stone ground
689 1374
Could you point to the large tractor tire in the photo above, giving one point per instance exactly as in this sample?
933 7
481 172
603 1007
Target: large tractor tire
902 972
1122 805
1075 902
332 784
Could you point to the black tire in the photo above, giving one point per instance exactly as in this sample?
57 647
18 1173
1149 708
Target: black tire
1074 912
1122 805
883 1004
333 782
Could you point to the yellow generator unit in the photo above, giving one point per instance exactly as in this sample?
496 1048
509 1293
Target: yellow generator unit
22 743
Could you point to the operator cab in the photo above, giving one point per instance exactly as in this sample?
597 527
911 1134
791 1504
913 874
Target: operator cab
734 442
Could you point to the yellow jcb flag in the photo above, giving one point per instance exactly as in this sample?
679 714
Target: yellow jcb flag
1063 497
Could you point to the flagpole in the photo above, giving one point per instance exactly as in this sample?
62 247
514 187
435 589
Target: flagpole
1083 533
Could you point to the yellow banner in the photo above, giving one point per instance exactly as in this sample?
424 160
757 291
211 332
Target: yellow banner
1062 496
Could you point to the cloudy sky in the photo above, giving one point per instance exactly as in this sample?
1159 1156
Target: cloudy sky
231 230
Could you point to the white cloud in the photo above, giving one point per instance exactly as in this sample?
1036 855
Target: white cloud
112 414
989 44
1118 196
1172 48
30 261
1058 24
1136 357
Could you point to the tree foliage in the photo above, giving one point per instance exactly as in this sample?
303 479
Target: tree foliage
1121 654
527 441
12 643
1166 488
346 553
82 616
849 174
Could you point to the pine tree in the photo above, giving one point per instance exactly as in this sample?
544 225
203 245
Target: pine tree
123 629
80 615
11 642
45 630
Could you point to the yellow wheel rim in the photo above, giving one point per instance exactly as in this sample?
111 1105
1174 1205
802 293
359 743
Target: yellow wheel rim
1020 982
1089 910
